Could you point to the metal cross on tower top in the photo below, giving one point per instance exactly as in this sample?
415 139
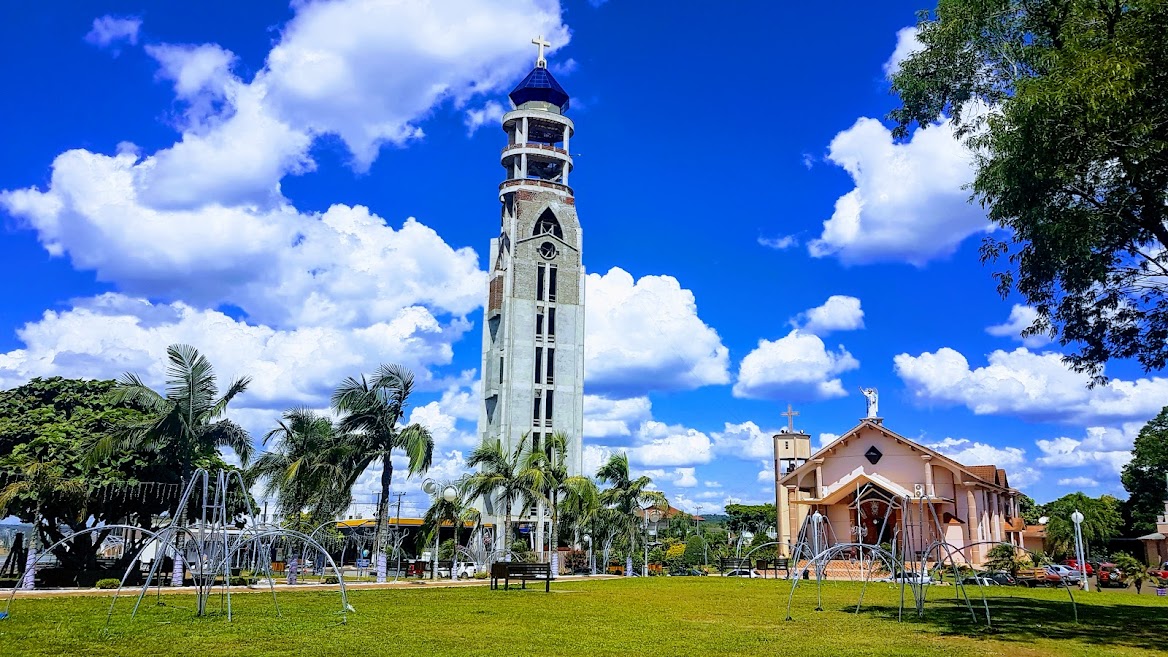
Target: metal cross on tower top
538 41
790 415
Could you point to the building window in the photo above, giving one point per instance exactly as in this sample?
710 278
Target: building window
535 408
551 322
548 408
500 369
548 225
539 274
552 284
539 323
551 366
539 364
535 442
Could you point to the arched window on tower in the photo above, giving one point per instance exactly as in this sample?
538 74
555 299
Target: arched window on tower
548 225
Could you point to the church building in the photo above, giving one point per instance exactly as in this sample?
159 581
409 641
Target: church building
869 480
533 326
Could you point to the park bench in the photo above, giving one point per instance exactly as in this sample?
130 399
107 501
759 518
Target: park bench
508 570
763 565
727 564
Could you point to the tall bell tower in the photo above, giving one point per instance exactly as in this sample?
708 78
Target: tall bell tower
533 328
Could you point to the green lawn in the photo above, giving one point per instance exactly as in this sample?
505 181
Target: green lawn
655 616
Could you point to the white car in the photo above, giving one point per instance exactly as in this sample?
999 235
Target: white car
741 572
909 578
1068 575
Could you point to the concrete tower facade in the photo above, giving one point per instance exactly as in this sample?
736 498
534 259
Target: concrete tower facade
533 328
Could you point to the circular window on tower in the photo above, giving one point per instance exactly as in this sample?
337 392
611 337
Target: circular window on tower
547 250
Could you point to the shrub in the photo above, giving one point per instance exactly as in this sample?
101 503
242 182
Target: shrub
240 580
330 579
482 575
695 551
576 560
108 583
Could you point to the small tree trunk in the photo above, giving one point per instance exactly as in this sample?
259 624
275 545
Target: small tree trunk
28 582
506 538
554 541
293 569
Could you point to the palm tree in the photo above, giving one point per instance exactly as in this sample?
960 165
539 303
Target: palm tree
627 496
371 409
503 477
548 473
308 468
185 422
43 481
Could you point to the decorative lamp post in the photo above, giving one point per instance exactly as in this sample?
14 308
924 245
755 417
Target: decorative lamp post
653 515
1080 553
449 493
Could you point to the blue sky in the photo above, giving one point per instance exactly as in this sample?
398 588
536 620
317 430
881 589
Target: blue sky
305 191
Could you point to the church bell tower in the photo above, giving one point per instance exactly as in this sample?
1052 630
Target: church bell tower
533 325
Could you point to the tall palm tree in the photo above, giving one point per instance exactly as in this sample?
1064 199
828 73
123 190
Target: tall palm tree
627 496
548 474
502 477
371 409
43 481
185 422
308 466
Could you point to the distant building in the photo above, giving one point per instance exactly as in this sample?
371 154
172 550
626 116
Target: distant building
870 478
1156 543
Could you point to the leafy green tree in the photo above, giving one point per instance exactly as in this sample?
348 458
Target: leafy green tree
42 481
307 467
1006 558
503 479
54 421
1134 572
185 422
754 518
1101 522
371 409
1029 509
628 496
695 550
1072 157
1146 476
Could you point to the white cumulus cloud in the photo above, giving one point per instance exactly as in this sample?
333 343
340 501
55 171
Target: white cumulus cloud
797 367
1028 385
906 44
908 205
660 444
1021 318
605 418
646 335
838 313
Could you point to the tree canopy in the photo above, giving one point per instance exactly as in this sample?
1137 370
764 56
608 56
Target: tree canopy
1101 521
1065 106
1145 477
46 428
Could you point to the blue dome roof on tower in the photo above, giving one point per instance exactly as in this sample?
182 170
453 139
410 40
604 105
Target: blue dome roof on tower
539 85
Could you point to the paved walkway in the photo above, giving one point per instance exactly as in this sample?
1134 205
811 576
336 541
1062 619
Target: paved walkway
412 583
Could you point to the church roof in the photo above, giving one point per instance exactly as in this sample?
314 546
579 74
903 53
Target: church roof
986 473
539 85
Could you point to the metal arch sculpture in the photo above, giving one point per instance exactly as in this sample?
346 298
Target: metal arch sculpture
209 539
815 551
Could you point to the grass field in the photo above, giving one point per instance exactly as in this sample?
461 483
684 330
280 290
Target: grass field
656 616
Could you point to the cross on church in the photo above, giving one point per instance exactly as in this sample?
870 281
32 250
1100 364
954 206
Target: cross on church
790 415
538 41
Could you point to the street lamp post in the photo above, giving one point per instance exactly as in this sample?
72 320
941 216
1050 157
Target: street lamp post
1080 553
449 493
652 514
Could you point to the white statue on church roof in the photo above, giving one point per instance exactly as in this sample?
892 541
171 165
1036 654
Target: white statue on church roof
873 401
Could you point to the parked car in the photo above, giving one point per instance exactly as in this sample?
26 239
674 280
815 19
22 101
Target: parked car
741 572
908 578
1160 572
1065 574
1073 564
1110 575
1003 578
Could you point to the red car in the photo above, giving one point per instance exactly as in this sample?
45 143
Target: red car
1161 572
1110 575
1073 564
